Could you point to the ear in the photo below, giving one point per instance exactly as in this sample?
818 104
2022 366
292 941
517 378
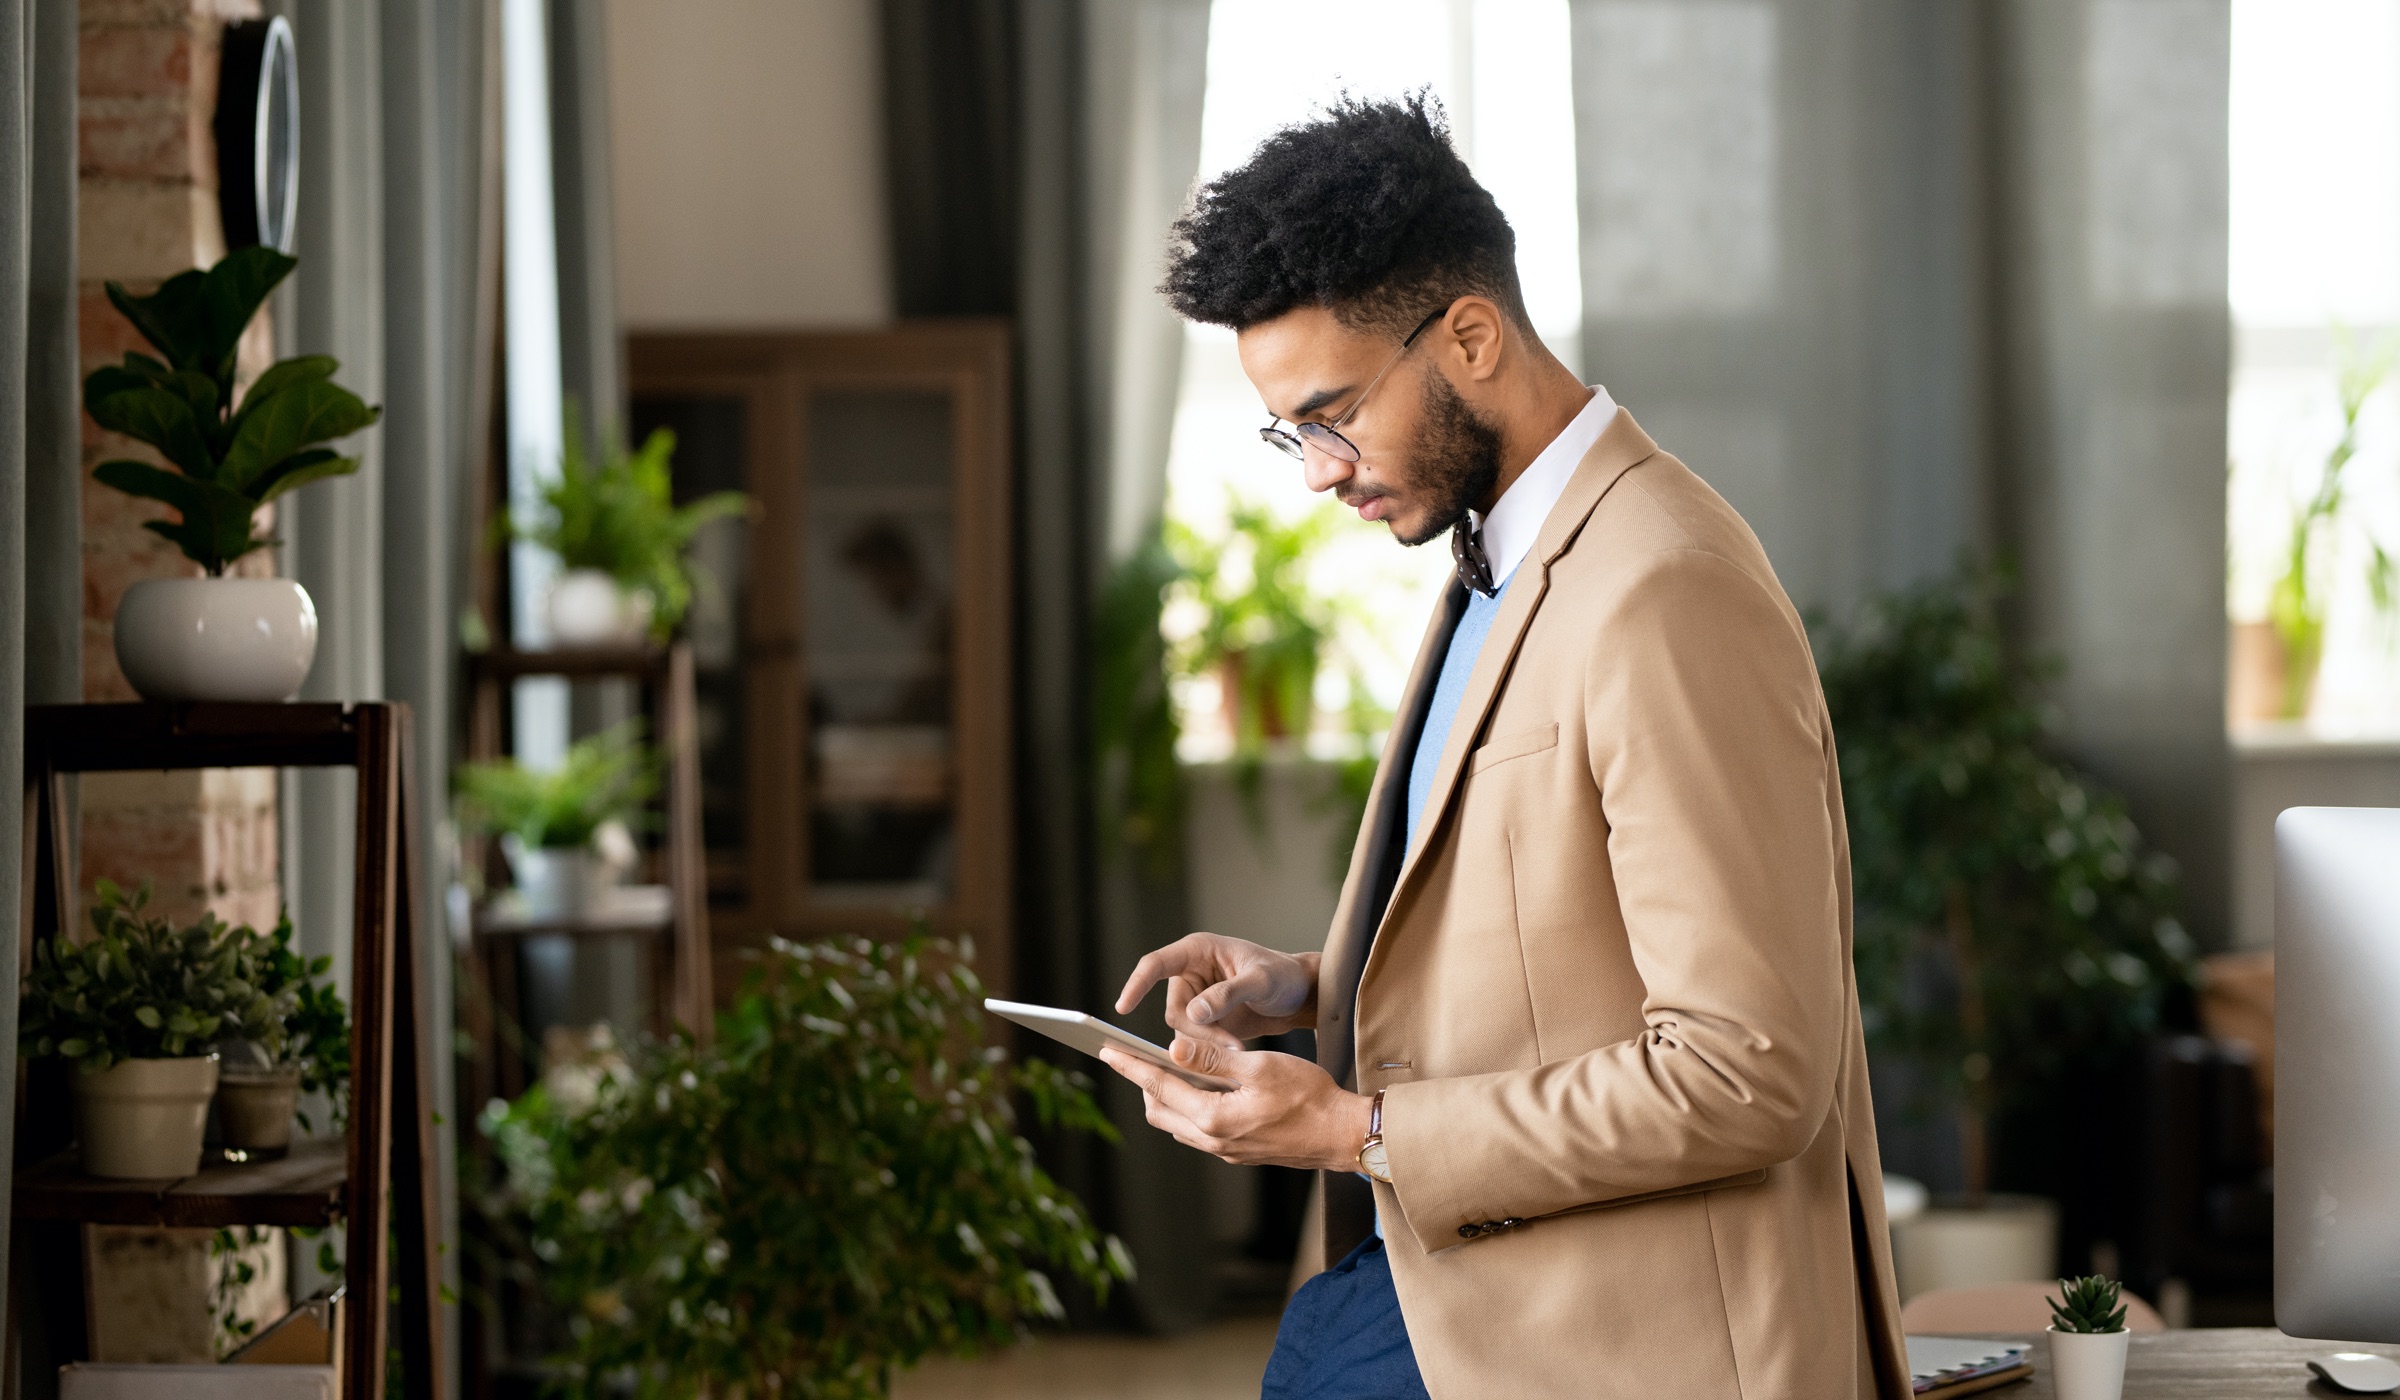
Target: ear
1475 336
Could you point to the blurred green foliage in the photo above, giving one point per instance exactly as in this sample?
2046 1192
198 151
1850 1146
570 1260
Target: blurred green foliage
603 778
618 515
834 1190
2023 884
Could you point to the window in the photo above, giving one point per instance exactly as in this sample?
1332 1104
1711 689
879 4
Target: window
2314 265
1501 69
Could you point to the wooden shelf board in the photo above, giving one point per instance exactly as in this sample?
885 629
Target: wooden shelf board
307 1187
134 737
503 663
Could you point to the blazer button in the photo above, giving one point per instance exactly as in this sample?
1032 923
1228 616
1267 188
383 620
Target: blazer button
1468 1232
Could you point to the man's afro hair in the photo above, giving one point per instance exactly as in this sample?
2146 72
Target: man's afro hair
1366 210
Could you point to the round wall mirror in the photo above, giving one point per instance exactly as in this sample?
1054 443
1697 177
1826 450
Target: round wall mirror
258 134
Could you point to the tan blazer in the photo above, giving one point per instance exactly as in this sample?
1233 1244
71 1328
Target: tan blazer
1610 993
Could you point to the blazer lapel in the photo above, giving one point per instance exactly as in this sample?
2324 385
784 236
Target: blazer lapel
1621 446
1375 862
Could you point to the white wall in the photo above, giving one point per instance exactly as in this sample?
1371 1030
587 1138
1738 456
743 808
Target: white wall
748 163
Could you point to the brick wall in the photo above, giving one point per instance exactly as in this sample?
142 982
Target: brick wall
148 210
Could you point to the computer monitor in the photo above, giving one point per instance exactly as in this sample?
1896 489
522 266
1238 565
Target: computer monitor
2337 1073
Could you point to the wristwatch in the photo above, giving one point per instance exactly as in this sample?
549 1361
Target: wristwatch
1371 1158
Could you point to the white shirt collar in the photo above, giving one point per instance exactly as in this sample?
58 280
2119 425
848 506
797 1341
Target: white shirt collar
1516 518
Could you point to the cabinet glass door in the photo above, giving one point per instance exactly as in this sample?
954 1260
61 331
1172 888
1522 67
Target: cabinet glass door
880 585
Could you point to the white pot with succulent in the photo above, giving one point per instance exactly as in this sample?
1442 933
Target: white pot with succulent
217 638
620 540
136 1009
563 831
2088 1340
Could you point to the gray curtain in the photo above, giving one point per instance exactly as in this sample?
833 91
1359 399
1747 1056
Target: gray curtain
16 218
590 347
391 245
1902 280
1037 151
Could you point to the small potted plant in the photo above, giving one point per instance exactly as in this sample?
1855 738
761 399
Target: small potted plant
620 541
218 638
297 1040
136 1008
553 825
2087 1340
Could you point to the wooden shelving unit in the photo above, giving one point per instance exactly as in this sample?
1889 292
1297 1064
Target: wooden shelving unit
680 956
378 1181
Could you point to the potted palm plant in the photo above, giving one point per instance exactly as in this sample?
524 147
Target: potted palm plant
2012 929
550 824
2088 1340
227 455
620 541
137 1008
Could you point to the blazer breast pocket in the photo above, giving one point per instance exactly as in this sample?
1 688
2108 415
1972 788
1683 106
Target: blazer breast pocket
1516 743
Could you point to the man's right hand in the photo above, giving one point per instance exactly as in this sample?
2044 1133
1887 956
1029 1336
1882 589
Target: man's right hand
1223 991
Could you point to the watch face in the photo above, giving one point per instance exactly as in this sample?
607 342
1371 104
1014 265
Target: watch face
1372 1158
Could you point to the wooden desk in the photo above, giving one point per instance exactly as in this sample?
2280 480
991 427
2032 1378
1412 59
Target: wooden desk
2213 1363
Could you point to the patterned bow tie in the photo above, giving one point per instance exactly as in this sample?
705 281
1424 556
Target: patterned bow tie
1474 566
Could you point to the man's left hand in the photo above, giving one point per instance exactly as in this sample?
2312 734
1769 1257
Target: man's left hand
1288 1112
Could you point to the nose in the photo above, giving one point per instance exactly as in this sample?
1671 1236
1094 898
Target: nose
1322 470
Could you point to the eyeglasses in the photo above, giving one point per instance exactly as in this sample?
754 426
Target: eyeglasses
1322 436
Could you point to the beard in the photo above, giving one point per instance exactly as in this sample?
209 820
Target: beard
1455 463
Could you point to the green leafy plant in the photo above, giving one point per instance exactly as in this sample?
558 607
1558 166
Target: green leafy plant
1978 856
1263 631
2091 1305
2297 604
1134 725
605 777
1266 633
619 516
139 988
835 1189
228 460
309 1024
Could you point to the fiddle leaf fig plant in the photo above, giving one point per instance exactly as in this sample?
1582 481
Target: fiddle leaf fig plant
228 458
140 988
835 1189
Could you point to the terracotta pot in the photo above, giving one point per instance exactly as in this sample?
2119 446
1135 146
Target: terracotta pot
1273 723
255 1108
216 638
144 1119
2088 1365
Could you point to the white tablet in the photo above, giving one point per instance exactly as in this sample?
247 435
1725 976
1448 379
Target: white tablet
1089 1033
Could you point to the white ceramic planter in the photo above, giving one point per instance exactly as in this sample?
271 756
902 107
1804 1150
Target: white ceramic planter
559 883
255 1107
2088 1365
144 1119
587 608
216 638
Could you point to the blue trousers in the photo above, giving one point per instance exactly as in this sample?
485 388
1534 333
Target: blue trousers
1342 1337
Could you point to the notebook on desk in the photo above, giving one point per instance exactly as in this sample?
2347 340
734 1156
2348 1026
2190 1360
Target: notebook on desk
1942 1367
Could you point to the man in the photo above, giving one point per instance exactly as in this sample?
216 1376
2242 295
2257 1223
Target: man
1586 1024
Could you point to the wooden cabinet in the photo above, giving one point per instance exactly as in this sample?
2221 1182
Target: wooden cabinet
852 636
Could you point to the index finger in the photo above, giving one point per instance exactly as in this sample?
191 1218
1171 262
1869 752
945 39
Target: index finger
1156 966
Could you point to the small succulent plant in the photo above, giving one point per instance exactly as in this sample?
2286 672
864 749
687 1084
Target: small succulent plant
2091 1305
